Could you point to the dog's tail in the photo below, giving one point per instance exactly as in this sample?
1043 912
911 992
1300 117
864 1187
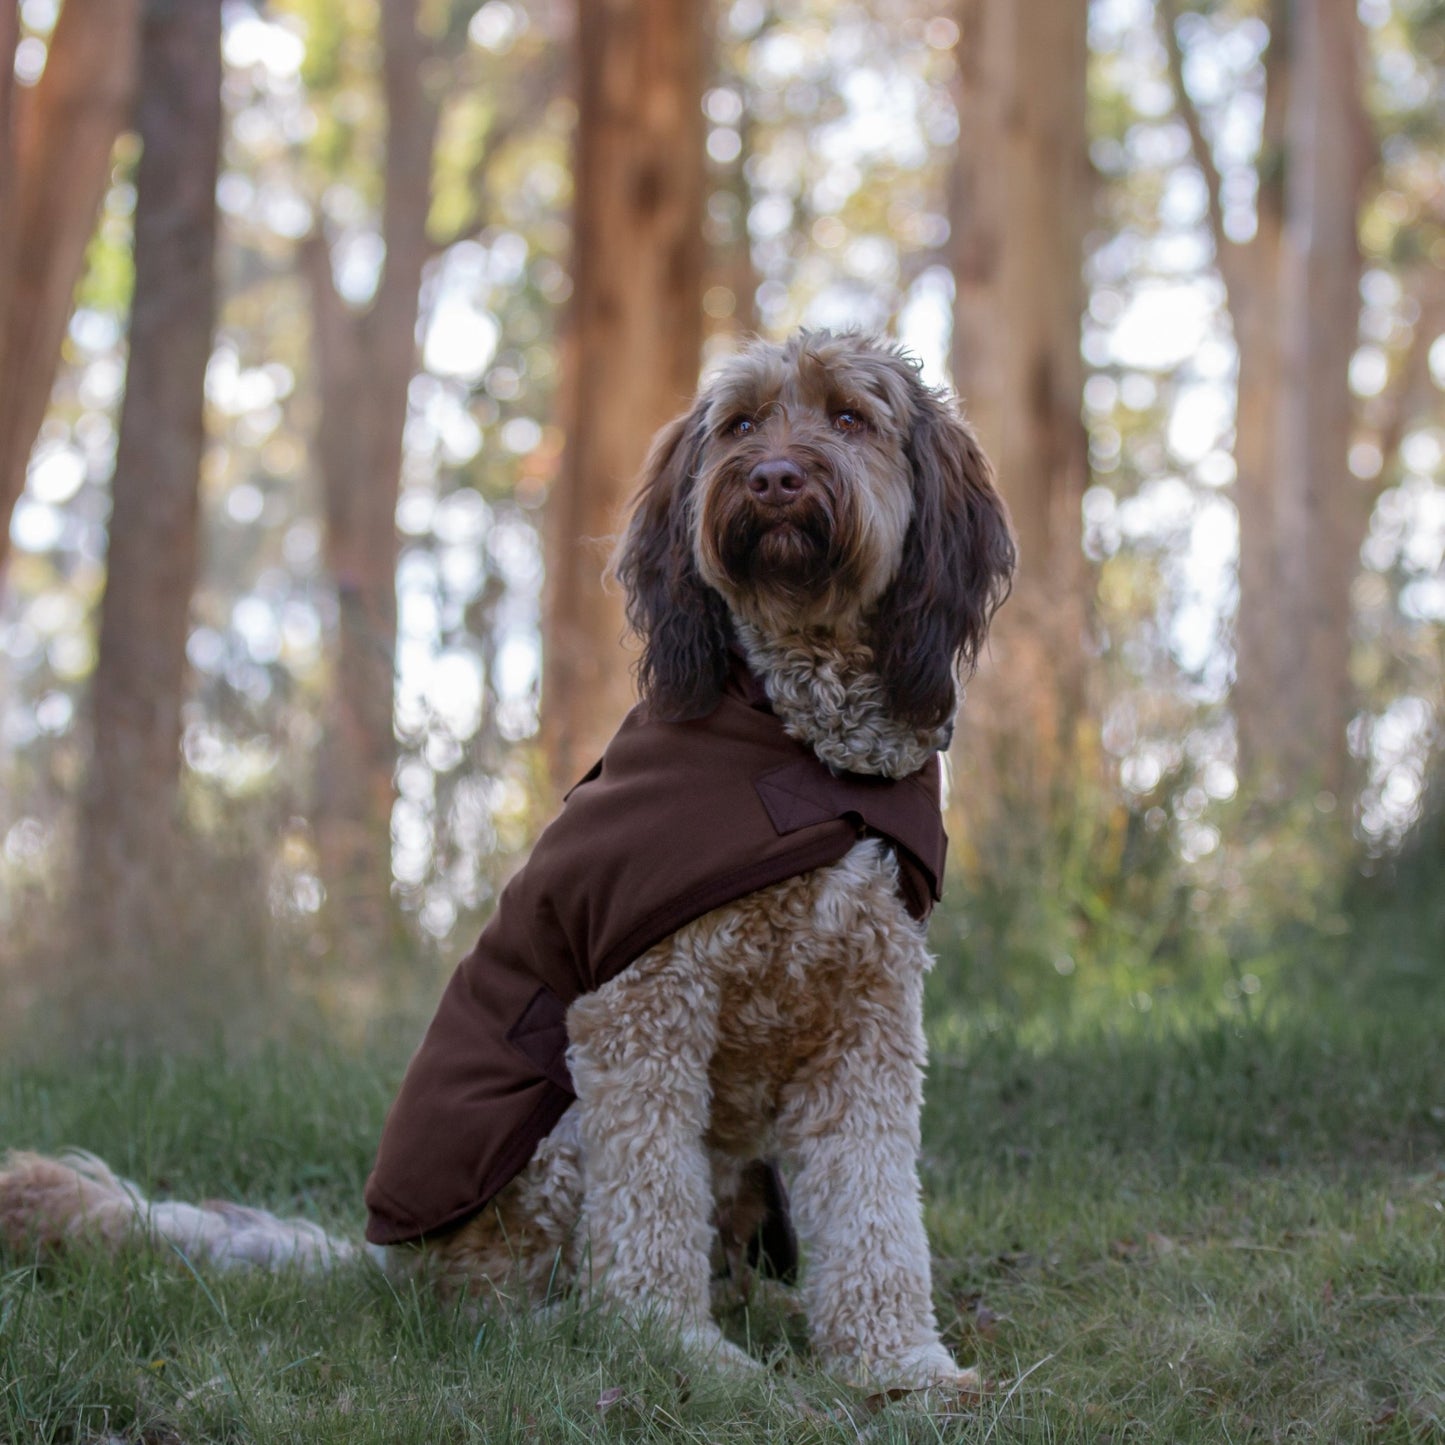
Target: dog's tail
47 1204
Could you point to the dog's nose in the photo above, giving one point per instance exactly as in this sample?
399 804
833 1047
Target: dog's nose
776 482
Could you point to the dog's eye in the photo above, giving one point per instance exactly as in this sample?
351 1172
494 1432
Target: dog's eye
741 426
848 421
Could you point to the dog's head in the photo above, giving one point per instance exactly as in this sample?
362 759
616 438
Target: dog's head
815 484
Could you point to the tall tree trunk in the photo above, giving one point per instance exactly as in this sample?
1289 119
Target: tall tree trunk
1020 197
1322 510
9 39
1294 302
55 176
131 806
635 337
365 361
1251 274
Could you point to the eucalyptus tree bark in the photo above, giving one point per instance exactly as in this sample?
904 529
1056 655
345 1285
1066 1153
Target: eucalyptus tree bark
9 39
365 359
1019 206
130 811
634 341
1250 270
1294 302
55 157
1323 510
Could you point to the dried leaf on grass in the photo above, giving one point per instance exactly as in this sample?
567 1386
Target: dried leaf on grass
1152 1246
1384 1417
872 1404
616 1398
977 1318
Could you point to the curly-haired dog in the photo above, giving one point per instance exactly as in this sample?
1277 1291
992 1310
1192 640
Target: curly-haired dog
824 526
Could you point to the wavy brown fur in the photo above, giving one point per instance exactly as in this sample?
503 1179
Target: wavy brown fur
897 542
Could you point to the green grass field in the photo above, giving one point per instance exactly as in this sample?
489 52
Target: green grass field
1184 1225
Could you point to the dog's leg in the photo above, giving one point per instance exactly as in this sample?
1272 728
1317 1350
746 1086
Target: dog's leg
850 1128
639 1054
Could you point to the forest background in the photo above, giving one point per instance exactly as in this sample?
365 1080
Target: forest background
332 333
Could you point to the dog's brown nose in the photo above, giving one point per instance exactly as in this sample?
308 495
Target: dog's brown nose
776 482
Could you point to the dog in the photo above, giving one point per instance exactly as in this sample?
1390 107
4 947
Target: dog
825 525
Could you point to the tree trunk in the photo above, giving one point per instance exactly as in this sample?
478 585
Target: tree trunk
1257 635
55 176
131 806
1322 510
364 363
1251 273
1020 197
976 198
9 38
1294 303
635 336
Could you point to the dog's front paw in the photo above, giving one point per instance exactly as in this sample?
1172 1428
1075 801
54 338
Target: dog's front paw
707 1344
928 1367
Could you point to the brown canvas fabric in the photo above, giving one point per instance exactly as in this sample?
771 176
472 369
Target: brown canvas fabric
678 818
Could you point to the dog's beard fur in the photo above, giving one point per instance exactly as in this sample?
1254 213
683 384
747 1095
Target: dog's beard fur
795 553
796 556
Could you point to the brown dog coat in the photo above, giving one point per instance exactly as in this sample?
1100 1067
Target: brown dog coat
678 818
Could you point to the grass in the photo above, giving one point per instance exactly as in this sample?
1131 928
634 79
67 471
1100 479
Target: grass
1186 1225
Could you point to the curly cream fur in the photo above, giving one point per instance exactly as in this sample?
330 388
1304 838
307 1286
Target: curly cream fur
794 1023
791 1023
829 695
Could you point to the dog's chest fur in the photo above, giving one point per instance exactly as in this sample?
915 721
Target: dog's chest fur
803 971
797 976
817 964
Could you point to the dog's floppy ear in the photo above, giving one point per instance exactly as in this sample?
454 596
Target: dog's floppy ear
681 622
957 567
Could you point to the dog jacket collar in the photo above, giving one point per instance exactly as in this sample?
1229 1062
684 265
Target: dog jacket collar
676 819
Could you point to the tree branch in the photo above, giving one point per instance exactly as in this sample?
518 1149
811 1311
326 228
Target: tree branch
1167 12
336 346
1413 384
498 138
63 131
538 93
